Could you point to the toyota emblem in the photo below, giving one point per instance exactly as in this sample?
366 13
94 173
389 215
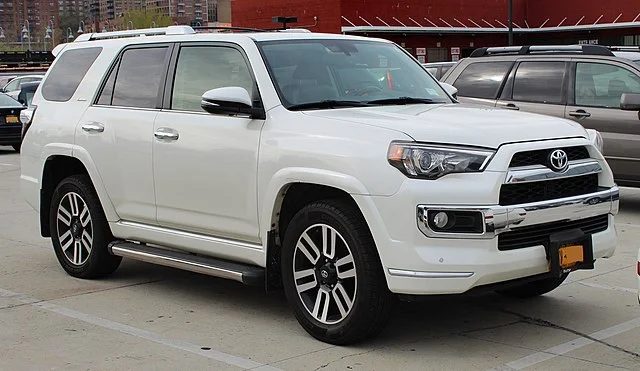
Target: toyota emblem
559 160
324 274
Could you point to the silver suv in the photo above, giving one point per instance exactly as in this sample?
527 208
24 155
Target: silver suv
588 84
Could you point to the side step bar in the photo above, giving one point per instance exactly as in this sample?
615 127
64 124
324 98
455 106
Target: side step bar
247 274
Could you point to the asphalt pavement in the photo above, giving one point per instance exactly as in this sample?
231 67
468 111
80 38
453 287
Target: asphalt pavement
146 317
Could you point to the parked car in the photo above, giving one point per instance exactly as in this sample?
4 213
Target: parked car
12 89
27 91
10 126
286 159
584 83
438 69
627 52
4 80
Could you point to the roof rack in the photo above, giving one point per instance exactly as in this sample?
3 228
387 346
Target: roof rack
540 49
228 28
624 48
171 30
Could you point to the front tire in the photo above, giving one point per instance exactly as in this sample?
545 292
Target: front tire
79 230
332 274
535 288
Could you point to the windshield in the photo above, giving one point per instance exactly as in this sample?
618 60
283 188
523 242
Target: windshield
347 71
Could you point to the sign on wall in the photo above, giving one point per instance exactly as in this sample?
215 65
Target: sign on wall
421 59
421 51
455 50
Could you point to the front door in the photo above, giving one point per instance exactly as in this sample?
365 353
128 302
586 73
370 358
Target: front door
205 166
598 88
117 131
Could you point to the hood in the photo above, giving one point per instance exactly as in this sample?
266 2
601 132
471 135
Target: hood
459 123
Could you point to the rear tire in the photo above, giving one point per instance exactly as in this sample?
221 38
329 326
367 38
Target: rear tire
79 230
535 288
16 147
340 295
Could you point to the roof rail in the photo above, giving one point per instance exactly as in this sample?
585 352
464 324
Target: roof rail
171 30
228 28
624 48
542 49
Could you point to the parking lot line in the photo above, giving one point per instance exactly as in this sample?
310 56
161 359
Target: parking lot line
606 287
140 333
567 347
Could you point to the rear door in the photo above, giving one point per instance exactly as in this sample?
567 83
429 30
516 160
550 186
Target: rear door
117 130
594 102
538 87
480 82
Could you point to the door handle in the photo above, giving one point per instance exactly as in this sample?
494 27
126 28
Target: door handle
579 113
167 134
511 106
93 127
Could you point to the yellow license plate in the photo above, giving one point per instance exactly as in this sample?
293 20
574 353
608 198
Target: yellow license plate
570 255
11 119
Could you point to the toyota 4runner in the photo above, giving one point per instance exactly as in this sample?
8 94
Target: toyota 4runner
333 166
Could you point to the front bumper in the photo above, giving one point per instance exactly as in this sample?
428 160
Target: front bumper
422 262
10 134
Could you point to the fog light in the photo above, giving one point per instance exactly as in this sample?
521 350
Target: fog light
441 219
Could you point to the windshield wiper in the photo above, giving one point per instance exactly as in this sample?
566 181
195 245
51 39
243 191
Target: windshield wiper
403 100
329 103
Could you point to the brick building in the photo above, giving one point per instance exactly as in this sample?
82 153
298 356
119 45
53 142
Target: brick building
432 29
28 15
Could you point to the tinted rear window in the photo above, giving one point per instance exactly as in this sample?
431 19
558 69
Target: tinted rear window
67 73
539 82
139 77
482 80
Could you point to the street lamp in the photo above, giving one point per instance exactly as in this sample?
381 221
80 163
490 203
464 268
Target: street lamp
130 22
26 33
47 36
51 28
153 24
2 33
81 27
69 34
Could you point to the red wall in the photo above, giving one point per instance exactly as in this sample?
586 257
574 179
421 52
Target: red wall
490 10
540 10
258 13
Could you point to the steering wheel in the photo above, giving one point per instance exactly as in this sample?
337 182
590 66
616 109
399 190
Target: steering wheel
364 90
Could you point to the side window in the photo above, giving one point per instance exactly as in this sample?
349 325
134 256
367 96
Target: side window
602 85
107 91
67 73
539 82
482 80
202 68
432 70
13 85
139 77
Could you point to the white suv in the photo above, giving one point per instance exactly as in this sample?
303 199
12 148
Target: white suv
331 165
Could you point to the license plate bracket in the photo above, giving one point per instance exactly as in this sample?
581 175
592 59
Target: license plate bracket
569 251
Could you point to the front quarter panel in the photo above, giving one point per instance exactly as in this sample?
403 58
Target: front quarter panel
296 148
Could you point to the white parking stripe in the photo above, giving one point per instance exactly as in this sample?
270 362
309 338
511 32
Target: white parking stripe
140 333
567 347
614 288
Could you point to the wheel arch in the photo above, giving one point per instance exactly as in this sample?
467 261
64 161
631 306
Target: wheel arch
55 168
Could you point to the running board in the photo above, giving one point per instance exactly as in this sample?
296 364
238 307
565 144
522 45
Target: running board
247 274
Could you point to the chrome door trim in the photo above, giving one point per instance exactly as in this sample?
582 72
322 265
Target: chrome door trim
191 235
543 173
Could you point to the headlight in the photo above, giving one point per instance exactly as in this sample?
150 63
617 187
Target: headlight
596 139
433 162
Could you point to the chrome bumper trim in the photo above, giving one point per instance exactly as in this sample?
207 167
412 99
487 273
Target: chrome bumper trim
542 173
418 274
500 219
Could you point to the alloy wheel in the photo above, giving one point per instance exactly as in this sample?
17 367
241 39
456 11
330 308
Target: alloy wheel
325 274
75 228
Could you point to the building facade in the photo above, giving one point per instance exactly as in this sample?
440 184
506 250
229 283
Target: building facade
447 30
26 21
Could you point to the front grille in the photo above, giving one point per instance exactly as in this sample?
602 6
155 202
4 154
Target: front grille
539 234
522 193
539 157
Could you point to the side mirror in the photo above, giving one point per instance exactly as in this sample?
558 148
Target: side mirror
630 102
230 100
452 90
